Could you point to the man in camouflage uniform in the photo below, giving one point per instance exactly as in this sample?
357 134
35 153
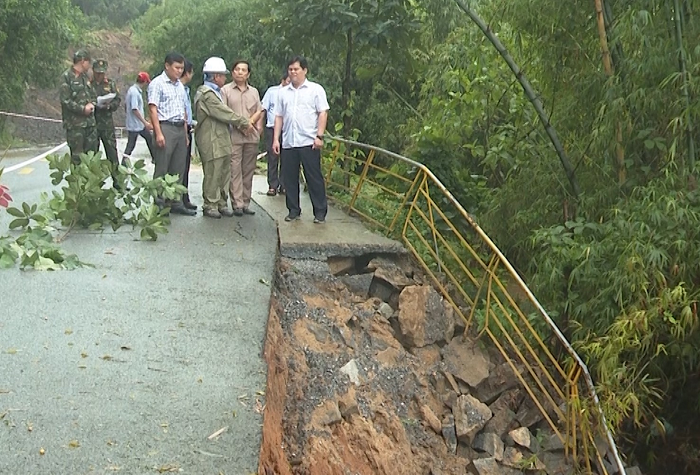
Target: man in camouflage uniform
103 115
77 107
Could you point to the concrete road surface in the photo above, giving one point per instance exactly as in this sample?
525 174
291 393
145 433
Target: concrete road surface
134 366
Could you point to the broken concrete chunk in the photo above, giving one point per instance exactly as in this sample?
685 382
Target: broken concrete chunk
528 414
352 371
513 457
385 310
499 380
556 464
358 284
501 423
345 334
471 415
347 405
466 361
490 466
522 437
503 420
424 317
327 414
551 441
340 265
383 290
489 443
449 434
390 273
431 419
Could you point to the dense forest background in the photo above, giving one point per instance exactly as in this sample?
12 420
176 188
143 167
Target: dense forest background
609 246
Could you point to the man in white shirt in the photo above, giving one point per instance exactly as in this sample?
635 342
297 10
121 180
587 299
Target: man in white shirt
166 104
300 120
136 123
269 103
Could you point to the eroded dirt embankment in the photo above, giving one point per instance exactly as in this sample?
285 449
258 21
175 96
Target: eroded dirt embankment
370 373
317 421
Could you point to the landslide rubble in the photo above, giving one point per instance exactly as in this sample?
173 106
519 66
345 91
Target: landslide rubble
369 372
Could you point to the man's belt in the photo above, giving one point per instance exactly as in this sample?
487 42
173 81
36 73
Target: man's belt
174 123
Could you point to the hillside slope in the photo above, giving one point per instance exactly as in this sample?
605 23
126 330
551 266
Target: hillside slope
125 61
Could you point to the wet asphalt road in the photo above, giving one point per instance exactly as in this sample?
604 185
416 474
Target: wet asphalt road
129 366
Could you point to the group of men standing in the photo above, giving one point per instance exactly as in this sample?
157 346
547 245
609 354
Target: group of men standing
88 121
229 123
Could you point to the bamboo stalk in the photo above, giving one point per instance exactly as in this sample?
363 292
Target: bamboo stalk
609 71
684 77
531 95
602 33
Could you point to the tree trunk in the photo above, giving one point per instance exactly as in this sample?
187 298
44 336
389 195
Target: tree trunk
531 95
346 88
684 78
608 67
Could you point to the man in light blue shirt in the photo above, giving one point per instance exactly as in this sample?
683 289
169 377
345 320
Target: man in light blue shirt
300 120
269 102
166 104
136 123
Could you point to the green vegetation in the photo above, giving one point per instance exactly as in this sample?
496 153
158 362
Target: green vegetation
108 13
84 202
34 36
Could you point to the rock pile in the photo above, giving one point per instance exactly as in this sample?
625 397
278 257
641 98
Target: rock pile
394 344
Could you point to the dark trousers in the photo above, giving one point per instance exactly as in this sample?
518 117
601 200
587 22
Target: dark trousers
171 159
273 162
81 140
310 159
105 134
131 141
186 178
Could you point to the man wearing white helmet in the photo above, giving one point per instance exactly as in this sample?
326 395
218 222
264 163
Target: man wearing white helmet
212 137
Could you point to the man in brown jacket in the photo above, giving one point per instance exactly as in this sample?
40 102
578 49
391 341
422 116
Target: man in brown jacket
213 140
244 100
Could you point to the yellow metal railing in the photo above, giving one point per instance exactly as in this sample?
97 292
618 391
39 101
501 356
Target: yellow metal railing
405 200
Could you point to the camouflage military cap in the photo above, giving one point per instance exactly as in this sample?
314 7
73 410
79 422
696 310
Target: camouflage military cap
81 54
99 66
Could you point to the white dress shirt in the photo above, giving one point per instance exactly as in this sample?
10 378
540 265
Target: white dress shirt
299 108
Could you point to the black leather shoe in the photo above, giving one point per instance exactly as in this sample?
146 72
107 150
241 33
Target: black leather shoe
248 211
238 212
189 205
225 212
180 209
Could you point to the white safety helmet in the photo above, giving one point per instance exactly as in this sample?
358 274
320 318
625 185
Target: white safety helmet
215 65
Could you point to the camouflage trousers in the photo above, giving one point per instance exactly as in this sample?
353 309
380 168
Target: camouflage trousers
105 134
81 140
